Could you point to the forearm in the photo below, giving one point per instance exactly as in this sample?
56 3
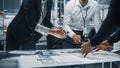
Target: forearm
97 19
68 31
42 29
115 37
104 32
67 19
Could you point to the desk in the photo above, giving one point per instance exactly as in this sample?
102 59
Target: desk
64 57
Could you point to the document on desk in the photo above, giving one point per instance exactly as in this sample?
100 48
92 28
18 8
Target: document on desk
99 56
66 58
70 58
29 61
95 57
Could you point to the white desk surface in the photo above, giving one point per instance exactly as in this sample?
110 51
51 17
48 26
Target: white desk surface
64 57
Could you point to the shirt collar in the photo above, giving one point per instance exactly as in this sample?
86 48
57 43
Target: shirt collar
86 6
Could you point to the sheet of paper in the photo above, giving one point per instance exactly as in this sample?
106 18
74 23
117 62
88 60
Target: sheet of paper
66 58
29 61
100 56
95 57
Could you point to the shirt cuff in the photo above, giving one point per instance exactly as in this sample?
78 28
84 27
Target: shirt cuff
70 34
43 30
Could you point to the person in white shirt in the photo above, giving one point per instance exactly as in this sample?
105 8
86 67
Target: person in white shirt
78 14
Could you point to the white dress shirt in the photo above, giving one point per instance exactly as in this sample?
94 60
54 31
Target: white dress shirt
77 17
40 28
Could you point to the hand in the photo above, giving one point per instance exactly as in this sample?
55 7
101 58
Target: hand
57 32
103 46
77 38
86 48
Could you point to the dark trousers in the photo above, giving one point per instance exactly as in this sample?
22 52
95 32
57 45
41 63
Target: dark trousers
67 43
1 46
14 43
56 43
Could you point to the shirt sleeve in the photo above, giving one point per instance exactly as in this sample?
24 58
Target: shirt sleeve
115 37
67 19
42 29
107 27
97 18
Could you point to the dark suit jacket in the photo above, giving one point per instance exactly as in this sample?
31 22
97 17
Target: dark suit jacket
23 25
110 25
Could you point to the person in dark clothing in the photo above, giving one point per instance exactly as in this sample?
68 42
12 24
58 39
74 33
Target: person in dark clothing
108 33
29 25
